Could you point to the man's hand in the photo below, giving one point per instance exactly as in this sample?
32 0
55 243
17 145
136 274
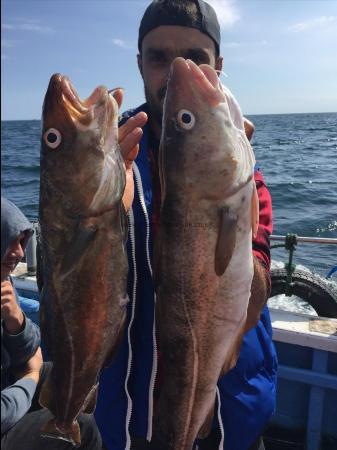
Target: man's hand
11 312
129 136
32 367
249 128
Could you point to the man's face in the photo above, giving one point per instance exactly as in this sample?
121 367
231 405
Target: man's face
159 48
13 255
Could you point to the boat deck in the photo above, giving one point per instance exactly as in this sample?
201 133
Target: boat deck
307 383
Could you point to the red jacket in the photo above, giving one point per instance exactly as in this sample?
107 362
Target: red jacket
261 245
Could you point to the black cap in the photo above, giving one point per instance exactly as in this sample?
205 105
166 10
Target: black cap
156 15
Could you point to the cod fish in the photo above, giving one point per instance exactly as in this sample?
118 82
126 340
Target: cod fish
83 267
203 260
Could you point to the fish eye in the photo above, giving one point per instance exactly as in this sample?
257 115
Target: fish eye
186 119
52 138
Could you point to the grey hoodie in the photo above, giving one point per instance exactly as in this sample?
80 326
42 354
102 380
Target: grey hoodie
15 349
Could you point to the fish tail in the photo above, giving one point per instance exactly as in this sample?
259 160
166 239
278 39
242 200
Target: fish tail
55 431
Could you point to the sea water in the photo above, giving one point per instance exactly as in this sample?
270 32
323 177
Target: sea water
297 154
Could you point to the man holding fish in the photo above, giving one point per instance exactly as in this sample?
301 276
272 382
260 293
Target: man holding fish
135 400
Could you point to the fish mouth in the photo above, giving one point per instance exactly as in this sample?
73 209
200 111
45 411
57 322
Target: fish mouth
204 77
101 106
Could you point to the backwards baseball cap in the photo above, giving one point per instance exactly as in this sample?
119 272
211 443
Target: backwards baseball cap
158 14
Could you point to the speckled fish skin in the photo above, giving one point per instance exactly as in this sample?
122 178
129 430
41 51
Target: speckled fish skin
203 253
84 261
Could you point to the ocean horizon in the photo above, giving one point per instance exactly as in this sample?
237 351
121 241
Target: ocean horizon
297 154
248 115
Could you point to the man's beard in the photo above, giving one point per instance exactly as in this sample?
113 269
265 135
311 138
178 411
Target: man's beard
155 104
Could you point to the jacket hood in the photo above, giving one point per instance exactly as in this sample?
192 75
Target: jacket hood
13 223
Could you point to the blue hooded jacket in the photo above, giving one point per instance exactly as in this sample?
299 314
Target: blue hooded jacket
245 395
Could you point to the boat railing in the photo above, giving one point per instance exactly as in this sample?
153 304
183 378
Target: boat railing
289 243
31 250
308 240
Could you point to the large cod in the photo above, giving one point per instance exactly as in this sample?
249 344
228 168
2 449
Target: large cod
203 252
83 268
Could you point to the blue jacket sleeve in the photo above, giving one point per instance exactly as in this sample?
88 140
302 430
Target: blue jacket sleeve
15 402
21 347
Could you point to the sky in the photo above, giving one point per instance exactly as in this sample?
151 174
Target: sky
280 56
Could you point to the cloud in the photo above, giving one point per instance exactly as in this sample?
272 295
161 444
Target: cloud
226 11
311 24
31 27
245 44
36 28
232 44
121 43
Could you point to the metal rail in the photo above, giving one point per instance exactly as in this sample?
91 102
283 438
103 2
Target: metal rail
289 242
311 240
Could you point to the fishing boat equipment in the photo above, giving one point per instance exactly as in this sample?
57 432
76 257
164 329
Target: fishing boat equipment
319 293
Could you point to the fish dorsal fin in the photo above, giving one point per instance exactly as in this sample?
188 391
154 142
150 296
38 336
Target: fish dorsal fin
226 240
84 235
207 425
255 211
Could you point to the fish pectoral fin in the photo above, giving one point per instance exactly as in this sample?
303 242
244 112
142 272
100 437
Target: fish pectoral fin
46 398
89 404
255 211
207 425
52 430
78 247
226 240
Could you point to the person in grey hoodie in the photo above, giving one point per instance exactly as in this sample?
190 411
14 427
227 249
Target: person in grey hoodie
20 337
22 368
